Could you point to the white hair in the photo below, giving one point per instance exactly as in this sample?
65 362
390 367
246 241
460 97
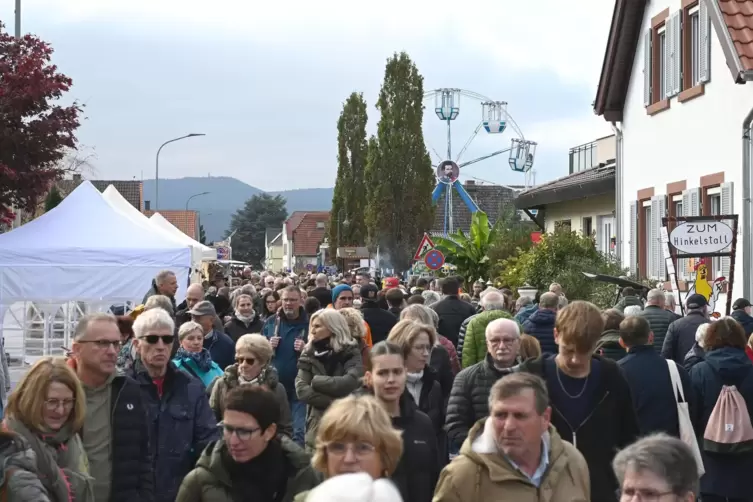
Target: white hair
632 310
493 301
356 487
152 320
700 334
669 299
163 276
159 302
504 324
431 297
655 297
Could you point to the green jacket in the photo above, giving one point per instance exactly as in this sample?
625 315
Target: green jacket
609 345
474 347
210 482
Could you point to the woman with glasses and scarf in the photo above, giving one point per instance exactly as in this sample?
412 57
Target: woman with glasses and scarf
192 357
253 354
244 319
41 452
251 461
329 368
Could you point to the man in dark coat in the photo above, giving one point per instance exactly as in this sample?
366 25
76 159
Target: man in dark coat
379 320
322 292
452 310
540 324
165 283
658 318
741 310
681 333
629 297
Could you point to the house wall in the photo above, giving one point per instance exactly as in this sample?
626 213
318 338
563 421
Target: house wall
599 209
287 250
606 150
688 140
275 258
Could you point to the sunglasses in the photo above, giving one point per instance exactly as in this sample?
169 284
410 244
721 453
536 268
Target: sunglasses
153 339
248 360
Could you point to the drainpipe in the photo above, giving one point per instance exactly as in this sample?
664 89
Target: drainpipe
618 192
747 234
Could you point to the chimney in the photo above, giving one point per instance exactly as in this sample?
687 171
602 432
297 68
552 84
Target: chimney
147 205
76 177
470 183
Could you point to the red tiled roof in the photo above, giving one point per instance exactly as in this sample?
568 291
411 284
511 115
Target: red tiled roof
184 220
131 190
309 233
738 15
292 223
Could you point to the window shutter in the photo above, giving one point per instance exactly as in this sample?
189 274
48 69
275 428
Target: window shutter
727 209
633 265
668 59
674 41
661 265
653 246
647 68
704 40
684 266
695 202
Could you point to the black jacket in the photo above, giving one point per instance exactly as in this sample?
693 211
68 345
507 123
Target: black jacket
540 325
379 320
132 474
433 403
681 336
659 321
461 335
469 399
324 295
693 357
745 321
418 469
610 426
235 328
651 387
441 364
452 312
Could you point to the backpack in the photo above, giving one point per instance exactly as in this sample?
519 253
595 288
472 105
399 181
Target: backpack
729 429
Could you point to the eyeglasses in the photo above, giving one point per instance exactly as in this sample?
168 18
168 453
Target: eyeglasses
643 495
54 404
502 341
361 449
240 432
248 360
104 344
153 339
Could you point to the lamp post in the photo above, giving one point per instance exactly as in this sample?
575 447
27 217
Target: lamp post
156 173
18 19
339 235
195 195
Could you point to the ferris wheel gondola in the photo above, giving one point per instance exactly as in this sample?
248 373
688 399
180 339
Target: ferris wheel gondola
495 119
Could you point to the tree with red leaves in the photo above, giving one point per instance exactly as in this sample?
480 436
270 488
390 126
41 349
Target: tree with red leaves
35 133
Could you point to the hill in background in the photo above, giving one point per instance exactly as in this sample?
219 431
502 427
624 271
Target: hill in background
227 195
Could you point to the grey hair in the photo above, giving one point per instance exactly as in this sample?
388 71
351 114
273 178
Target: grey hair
523 301
338 327
562 302
159 302
667 457
420 313
489 290
669 298
632 310
655 297
321 280
189 327
163 276
500 323
493 301
85 321
151 320
549 301
256 344
700 334
431 297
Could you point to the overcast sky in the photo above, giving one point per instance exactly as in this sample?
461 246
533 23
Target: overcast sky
266 81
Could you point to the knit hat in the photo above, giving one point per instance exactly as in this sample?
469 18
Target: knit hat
369 293
338 290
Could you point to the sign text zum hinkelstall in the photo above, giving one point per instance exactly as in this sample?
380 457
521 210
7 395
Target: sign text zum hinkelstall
701 237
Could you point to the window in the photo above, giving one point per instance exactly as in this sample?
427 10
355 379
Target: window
661 66
320 224
693 25
714 202
696 49
659 63
562 225
587 226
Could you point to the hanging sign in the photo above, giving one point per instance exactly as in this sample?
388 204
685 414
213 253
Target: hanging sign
426 245
694 237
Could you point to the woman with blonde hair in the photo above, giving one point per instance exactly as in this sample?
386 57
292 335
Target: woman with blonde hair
356 435
46 412
253 358
425 315
329 368
355 321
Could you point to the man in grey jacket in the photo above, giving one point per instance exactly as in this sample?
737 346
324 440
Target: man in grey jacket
658 318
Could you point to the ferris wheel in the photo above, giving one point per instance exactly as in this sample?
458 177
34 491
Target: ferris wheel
495 119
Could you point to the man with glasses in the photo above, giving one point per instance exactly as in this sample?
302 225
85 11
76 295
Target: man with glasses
469 398
116 431
182 423
288 331
251 461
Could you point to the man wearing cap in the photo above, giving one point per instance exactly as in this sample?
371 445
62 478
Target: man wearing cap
379 320
219 345
391 283
681 333
741 313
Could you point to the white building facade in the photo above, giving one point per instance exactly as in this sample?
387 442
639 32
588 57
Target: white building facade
672 87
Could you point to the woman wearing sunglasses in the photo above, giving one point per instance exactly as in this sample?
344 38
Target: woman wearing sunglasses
253 354
193 357
251 461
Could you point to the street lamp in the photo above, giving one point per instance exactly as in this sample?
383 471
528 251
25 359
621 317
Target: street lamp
195 195
156 174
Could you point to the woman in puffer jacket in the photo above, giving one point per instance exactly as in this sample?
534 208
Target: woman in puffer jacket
329 368
45 414
253 354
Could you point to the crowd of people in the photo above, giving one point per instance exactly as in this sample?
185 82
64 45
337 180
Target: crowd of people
306 389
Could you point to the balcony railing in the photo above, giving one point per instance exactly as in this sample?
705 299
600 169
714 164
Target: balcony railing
583 157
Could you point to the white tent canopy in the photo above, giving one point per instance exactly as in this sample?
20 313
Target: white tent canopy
160 221
116 200
86 250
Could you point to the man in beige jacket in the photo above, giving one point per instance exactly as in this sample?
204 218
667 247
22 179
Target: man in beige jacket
515 454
